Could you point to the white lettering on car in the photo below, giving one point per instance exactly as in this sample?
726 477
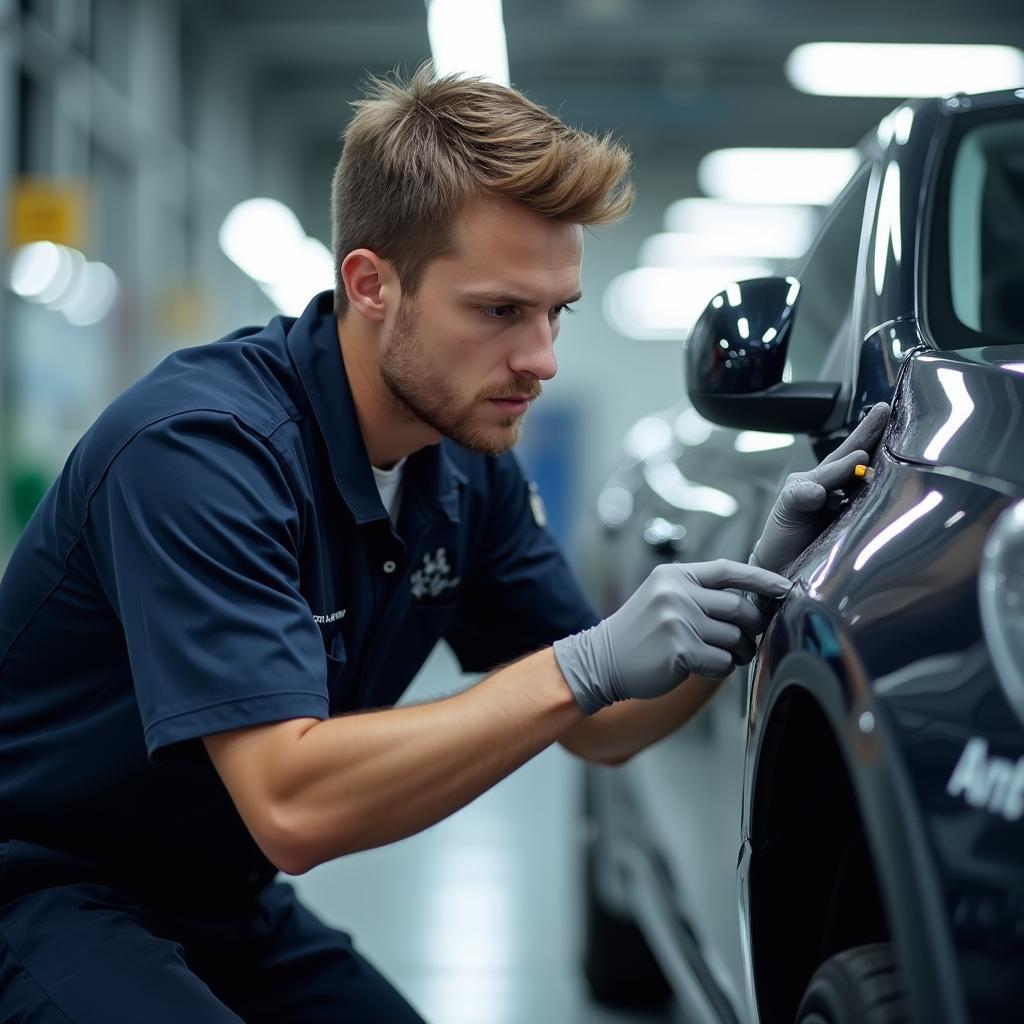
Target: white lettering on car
994 783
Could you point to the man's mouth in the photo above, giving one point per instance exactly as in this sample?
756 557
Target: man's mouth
513 406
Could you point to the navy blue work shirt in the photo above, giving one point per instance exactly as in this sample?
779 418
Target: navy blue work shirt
214 555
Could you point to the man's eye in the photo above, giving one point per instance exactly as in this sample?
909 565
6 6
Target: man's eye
563 308
497 312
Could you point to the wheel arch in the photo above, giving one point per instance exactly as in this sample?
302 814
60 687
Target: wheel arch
835 855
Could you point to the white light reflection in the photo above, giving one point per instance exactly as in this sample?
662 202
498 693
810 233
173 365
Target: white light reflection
794 290
770 335
34 268
666 480
954 518
761 441
648 437
786 228
922 508
691 428
819 577
889 231
743 326
732 293
1013 367
961 407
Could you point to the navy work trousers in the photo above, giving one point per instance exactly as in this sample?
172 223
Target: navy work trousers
83 952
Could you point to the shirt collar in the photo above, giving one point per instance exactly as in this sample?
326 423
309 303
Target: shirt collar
313 343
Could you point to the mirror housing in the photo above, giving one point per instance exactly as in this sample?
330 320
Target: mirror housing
736 355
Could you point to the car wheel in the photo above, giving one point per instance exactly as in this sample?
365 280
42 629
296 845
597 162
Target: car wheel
858 986
618 964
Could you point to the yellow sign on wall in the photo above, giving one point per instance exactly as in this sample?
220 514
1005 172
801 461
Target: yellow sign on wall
48 210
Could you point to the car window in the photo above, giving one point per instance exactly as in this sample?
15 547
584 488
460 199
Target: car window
986 231
827 283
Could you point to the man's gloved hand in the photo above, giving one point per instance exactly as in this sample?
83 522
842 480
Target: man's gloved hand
681 619
793 523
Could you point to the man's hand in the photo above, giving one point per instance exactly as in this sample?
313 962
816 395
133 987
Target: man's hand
681 619
793 523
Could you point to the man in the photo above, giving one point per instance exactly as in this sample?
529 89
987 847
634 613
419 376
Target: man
271 532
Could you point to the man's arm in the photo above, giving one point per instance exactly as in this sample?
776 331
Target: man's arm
614 734
311 790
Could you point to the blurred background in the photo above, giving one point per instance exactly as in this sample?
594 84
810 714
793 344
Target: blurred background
166 168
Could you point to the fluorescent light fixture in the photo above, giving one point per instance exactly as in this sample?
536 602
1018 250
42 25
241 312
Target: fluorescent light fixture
772 175
93 296
62 279
468 37
664 302
34 268
686 248
263 238
311 271
903 69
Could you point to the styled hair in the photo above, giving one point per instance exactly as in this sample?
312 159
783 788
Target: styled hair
416 151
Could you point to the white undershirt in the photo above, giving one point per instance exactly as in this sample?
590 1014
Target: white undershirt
389 483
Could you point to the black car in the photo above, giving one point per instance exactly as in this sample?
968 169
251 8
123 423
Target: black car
839 836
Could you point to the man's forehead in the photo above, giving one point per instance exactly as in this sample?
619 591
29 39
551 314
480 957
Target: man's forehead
504 251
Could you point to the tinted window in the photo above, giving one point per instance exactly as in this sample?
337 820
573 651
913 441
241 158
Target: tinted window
977 265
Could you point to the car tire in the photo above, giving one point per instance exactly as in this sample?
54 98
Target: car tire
618 964
858 986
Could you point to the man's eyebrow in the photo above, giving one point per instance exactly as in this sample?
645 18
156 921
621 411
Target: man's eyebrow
507 299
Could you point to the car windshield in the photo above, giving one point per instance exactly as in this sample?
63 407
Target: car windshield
986 235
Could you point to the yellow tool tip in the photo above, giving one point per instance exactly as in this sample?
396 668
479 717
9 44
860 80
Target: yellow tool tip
863 472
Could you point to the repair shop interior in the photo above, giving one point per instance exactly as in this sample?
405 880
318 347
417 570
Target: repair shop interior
511 512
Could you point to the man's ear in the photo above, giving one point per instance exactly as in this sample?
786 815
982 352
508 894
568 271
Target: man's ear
368 280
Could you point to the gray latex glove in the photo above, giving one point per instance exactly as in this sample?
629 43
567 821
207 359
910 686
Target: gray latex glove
794 522
681 619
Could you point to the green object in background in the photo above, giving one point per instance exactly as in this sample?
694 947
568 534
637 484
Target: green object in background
28 485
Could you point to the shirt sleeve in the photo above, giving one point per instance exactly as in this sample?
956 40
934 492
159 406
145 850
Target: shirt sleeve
520 594
194 532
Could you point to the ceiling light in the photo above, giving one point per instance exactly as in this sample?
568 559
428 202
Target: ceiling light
468 37
814 176
261 236
685 248
664 302
93 296
710 216
903 69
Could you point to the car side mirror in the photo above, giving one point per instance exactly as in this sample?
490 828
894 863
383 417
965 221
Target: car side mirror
736 355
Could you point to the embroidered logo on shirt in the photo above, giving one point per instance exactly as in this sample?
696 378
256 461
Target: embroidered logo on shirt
434 577
333 617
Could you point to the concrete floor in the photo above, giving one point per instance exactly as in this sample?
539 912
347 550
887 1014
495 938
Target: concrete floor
477 919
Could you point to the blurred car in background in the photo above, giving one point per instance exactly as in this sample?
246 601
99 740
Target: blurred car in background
839 835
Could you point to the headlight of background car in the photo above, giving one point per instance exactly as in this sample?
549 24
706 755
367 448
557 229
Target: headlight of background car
1001 593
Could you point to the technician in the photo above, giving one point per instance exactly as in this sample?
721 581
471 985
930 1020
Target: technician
268 534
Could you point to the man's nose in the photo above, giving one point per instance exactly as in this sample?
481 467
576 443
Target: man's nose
535 355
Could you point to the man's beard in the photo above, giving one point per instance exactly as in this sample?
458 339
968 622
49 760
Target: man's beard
422 393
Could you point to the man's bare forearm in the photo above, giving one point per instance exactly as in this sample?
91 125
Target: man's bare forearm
369 779
616 733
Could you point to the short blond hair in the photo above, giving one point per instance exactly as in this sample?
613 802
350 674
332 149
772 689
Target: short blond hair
415 152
